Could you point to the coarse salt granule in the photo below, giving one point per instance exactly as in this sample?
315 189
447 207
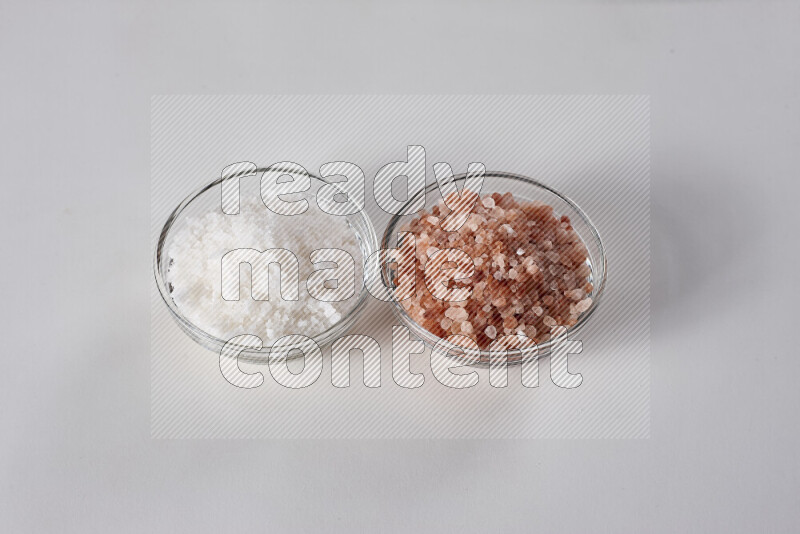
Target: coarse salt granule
195 273
531 272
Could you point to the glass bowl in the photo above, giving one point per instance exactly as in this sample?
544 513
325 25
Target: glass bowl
207 199
523 188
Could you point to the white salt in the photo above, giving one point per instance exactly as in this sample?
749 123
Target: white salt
195 274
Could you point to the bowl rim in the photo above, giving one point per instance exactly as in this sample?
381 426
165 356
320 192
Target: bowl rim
246 353
482 357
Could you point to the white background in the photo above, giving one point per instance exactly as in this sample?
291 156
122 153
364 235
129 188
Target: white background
76 84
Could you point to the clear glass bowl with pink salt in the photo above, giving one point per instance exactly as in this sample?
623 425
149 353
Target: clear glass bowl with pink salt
539 268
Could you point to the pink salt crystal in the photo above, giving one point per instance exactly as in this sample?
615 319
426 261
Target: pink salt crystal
433 220
549 321
552 256
530 331
507 200
508 229
431 251
466 327
491 332
446 323
583 305
575 294
488 203
456 313
537 310
512 274
520 252
583 270
509 322
477 291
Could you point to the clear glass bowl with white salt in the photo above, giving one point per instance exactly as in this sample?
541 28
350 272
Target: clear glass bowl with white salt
196 236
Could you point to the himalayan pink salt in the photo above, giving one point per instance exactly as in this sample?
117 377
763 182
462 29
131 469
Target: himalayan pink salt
456 313
583 305
575 294
531 271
